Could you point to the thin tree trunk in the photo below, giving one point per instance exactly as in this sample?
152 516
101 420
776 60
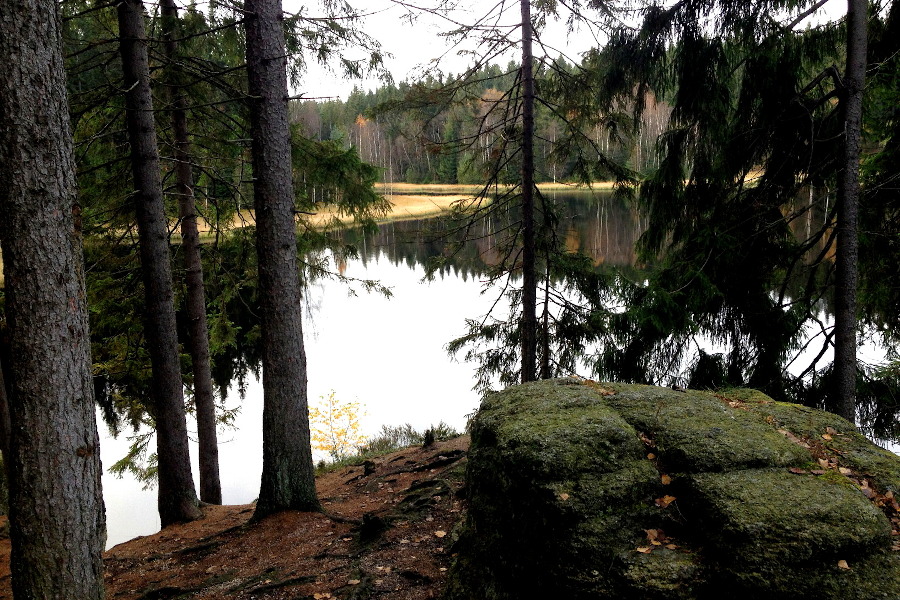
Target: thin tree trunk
58 526
847 259
288 479
195 302
529 261
177 497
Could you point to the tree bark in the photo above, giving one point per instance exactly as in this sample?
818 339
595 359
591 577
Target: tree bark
58 527
177 497
847 259
529 261
195 302
288 480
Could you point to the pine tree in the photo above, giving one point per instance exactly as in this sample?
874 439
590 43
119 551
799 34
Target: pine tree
288 478
195 297
57 522
177 496
847 260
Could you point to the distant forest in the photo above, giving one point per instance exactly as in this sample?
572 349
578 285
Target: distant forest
413 139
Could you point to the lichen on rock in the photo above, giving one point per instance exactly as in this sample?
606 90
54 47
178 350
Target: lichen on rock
581 490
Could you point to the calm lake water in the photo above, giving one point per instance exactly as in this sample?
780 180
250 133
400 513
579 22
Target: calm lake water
388 354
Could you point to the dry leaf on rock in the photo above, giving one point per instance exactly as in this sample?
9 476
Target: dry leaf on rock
665 501
793 438
842 564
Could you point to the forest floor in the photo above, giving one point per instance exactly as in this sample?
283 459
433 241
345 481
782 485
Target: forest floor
385 532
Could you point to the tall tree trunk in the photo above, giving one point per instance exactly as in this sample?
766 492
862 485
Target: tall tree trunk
5 430
198 340
288 480
58 526
177 497
847 275
529 261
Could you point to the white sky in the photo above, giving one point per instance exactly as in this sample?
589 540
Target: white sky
414 45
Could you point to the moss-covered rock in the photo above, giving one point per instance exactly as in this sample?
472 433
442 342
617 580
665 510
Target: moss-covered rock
585 490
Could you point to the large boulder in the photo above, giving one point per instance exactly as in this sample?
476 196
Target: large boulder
586 490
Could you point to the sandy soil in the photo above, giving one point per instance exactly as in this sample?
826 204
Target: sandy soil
385 533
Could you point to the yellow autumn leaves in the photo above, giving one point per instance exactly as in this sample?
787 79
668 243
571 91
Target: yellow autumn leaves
335 426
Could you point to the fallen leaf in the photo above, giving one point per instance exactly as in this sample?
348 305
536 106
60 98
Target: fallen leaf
353 582
817 472
645 549
666 480
671 546
651 456
798 471
845 471
793 438
826 437
564 496
665 501
823 463
842 564
440 533
404 541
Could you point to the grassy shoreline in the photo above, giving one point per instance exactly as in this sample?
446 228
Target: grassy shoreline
408 201
402 189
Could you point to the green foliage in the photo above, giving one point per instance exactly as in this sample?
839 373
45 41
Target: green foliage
211 75
139 462
741 211
389 439
395 437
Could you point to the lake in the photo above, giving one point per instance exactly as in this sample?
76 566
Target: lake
386 353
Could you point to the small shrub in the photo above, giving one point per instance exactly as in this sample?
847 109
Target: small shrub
335 425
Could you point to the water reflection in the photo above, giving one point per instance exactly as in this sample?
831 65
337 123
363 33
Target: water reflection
386 353
597 224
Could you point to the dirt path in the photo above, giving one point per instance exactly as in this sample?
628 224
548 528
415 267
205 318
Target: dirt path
386 533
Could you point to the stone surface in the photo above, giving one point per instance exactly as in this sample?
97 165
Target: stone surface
586 490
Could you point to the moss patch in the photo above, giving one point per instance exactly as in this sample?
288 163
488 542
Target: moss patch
697 432
570 485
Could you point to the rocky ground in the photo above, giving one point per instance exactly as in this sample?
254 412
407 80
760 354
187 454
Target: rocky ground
385 533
